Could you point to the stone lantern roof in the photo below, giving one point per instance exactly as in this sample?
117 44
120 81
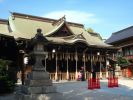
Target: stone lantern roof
39 38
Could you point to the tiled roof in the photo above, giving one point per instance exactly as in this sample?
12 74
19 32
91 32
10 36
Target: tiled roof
3 21
25 26
120 35
4 28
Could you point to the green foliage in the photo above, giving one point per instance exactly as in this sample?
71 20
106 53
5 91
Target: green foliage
6 84
3 66
122 61
90 30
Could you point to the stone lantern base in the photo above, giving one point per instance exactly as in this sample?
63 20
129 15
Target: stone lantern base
38 86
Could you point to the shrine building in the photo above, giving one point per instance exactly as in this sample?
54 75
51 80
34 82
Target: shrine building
70 46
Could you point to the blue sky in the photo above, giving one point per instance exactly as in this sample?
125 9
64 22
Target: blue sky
104 16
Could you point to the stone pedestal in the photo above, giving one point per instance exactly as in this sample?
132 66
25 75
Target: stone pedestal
38 86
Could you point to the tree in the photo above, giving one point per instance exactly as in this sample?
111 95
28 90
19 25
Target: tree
122 61
6 84
90 30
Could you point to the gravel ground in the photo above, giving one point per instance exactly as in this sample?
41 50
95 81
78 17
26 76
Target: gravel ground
79 91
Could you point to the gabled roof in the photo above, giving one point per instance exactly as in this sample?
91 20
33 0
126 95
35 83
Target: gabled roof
120 35
25 26
59 24
4 27
3 21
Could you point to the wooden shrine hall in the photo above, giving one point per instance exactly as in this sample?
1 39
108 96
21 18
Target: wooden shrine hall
70 46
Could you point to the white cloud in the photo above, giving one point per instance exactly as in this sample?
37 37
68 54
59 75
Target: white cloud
74 16
1 0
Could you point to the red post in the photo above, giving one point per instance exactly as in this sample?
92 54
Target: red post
90 83
110 85
98 84
93 83
116 81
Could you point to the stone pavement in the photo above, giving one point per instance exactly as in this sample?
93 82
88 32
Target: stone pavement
79 91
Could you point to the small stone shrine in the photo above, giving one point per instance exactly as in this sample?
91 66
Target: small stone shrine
38 86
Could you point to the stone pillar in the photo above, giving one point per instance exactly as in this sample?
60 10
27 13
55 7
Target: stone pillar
38 86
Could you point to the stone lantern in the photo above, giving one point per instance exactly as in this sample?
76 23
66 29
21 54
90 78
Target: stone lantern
39 42
38 86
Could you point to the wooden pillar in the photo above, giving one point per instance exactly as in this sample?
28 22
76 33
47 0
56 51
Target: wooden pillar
91 63
84 66
107 63
100 70
67 70
76 73
56 73
21 52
